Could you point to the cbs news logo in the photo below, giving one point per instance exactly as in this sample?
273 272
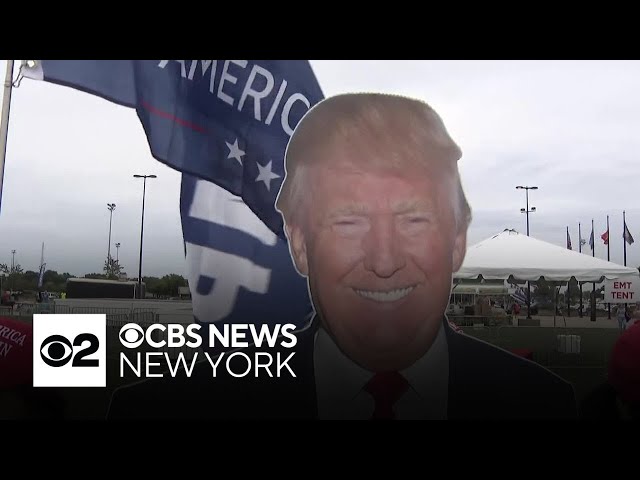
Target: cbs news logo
69 350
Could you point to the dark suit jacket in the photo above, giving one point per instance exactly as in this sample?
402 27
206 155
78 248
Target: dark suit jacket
600 404
485 382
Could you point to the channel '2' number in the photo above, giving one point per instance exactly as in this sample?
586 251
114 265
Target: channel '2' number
56 350
78 359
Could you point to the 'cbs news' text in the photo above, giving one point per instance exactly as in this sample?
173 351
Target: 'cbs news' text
138 360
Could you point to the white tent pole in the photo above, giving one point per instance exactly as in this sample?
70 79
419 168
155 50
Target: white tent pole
4 121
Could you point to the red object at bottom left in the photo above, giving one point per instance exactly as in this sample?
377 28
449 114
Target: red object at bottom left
16 346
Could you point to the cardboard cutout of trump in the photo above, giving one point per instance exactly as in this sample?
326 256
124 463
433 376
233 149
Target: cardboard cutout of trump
376 219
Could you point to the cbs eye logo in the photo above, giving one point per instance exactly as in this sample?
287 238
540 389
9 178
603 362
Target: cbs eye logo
57 351
131 335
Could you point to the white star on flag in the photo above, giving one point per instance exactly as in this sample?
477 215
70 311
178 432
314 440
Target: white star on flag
234 151
265 175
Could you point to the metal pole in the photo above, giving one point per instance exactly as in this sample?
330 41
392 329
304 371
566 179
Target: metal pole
608 243
579 238
608 260
144 189
568 294
624 240
593 245
593 292
527 190
13 266
109 247
526 211
4 120
528 283
624 243
580 283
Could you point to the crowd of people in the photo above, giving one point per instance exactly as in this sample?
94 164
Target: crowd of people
7 299
627 316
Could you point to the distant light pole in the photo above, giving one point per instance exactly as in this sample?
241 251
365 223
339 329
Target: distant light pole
117 251
144 189
527 211
13 267
111 207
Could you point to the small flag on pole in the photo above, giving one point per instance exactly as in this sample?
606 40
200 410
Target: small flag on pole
591 241
568 240
605 237
41 275
627 235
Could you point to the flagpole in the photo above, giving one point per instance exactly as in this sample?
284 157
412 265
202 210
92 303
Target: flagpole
569 282
41 271
608 243
608 260
624 240
593 292
580 249
4 121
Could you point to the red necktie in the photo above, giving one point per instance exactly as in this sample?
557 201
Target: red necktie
386 389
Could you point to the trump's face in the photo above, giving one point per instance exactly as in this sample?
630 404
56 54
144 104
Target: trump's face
379 247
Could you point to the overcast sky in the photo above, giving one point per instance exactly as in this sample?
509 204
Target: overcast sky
570 128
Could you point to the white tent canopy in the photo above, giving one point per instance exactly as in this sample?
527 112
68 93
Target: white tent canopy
510 254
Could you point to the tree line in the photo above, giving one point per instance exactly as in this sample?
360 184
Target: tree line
17 280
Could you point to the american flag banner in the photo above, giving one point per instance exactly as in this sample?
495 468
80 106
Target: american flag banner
225 125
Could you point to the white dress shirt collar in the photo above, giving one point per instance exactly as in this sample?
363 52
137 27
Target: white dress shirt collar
340 380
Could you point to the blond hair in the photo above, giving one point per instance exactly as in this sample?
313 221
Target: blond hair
364 121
